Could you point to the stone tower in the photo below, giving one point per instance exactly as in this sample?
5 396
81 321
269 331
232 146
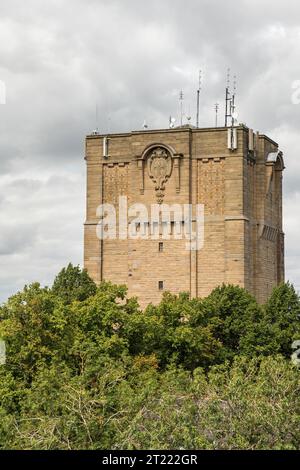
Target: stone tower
237 176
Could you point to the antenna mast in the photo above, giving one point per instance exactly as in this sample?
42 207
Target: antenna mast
181 106
227 99
232 134
217 110
198 97
232 103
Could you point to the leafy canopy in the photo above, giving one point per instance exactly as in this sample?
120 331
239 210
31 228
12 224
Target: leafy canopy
87 368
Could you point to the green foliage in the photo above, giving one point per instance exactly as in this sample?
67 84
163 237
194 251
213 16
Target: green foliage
37 329
87 369
282 313
236 320
72 283
250 405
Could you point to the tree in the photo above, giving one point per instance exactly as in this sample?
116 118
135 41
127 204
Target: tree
73 283
100 373
250 404
236 320
37 328
282 313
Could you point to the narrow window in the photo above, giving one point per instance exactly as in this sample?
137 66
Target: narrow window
160 247
160 285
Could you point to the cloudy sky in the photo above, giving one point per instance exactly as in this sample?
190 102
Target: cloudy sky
59 59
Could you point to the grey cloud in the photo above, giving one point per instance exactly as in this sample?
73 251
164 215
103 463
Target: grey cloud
131 58
14 239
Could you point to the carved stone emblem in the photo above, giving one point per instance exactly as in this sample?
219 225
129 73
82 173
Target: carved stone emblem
159 166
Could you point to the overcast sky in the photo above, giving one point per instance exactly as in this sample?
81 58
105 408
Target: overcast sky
60 58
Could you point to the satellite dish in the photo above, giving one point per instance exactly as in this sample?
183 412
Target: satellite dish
145 125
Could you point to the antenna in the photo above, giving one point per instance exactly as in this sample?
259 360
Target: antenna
216 110
172 122
233 114
234 84
181 106
232 133
227 99
228 77
198 97
232 104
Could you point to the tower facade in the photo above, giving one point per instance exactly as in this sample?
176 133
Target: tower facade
233 175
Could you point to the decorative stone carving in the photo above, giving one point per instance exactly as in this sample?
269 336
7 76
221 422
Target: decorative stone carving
115 181
159 165
211 185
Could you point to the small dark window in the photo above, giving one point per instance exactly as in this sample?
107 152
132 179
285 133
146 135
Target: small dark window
160 247
160 285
